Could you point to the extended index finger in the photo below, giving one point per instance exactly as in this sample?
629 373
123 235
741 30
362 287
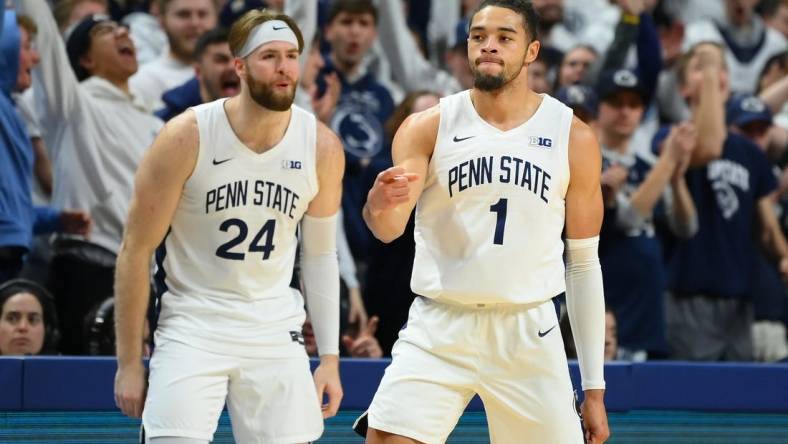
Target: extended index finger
389 174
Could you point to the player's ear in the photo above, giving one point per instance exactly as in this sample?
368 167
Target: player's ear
240 67
532 51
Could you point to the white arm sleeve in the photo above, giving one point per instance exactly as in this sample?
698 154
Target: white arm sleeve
585 303
320 275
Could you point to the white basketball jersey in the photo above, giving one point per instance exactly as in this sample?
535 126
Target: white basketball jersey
489 221
227 261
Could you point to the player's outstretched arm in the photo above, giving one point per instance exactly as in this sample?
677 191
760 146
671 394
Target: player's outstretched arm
319 266
584 292
157 189
397 189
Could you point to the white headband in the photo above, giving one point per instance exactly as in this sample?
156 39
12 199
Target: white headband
266 32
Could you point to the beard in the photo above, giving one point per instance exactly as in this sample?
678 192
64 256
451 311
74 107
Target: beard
492 82
265 96
487 82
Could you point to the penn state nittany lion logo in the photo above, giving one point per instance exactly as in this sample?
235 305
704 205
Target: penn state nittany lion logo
359 128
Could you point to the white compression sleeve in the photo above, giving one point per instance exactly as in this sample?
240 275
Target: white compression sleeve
585 302
320 274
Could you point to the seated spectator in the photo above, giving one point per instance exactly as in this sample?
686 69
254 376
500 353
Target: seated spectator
214 78
612 352
28 323
99 331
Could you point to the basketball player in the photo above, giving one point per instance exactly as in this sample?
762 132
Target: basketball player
498 173
224 187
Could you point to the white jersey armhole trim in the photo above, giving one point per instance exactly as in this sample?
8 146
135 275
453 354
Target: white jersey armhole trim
311 147
566 129
200 112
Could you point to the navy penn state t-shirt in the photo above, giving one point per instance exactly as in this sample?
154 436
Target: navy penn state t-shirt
718 260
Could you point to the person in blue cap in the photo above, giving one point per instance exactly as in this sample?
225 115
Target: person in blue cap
637 188
750 117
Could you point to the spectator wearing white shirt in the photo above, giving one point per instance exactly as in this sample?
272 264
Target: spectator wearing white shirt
184 21
97 132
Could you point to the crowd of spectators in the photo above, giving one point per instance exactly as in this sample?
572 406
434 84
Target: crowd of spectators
689 99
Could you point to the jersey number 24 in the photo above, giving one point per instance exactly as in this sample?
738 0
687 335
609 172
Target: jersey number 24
267 232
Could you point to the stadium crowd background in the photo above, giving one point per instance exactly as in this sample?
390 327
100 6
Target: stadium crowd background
694 139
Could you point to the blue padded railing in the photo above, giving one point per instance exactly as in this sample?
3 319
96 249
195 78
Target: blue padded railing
85 383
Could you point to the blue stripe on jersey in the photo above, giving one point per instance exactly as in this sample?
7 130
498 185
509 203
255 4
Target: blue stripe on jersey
160 286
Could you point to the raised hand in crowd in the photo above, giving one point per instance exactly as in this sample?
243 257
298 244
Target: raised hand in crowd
680 144
326 104
363 344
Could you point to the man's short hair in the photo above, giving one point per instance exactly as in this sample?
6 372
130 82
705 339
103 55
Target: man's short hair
352 7
63 9
214 36
243 27
27 24
683 62
163 4
523 7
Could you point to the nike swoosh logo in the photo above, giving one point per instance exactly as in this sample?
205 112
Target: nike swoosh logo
543 334
277 29
460 139
219 162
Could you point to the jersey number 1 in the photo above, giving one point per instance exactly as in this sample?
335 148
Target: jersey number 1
499 208
268 231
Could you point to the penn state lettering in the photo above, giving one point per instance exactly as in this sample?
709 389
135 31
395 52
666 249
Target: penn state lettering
263 193
505 169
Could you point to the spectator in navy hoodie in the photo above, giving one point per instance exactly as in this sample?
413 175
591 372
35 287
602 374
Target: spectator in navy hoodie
363 108
214 76
18 218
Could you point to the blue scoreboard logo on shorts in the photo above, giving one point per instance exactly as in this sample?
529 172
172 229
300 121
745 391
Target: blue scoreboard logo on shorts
545 142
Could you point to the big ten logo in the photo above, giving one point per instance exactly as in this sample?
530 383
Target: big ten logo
291 164
540 141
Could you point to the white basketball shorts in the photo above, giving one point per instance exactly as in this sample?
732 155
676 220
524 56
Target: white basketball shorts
269 400
512 356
